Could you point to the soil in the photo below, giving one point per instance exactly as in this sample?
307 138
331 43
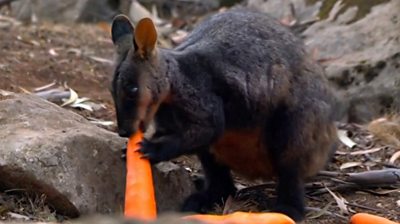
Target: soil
36 55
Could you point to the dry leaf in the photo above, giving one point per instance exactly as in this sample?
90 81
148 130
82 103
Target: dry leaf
178 36
72 98
24 90
76 51
188 169
394 157
227 205
138 11
362 152
385 192
342 134
5 93
340 201
101 60
82 105
104 123
41 88
53 52
321 212
100 122
81 100
18 216
35 43
350 164
337 152
9 21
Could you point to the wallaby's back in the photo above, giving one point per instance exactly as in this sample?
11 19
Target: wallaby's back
240 36
255 63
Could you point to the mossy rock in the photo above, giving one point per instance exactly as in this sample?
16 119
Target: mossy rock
363 7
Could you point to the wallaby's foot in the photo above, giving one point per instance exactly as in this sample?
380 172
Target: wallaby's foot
203 202
218 186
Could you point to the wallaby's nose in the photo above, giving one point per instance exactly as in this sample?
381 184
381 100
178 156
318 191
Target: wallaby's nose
124 133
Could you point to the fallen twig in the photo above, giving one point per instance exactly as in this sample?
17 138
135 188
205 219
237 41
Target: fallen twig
375 177
385 164
337 187
372 177
364 207
54 95
326 213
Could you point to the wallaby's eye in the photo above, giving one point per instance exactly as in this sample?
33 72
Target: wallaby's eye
132 92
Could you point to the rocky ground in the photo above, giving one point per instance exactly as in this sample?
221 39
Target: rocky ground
362 61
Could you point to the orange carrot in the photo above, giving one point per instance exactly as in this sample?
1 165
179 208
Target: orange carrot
139 193
244 218
365 218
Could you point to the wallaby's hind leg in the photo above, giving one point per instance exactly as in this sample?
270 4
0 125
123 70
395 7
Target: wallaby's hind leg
284 144
219 185
290 192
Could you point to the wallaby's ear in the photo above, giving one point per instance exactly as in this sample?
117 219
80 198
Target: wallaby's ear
122 34
145 37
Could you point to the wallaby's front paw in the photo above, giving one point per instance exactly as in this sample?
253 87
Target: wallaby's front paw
159 150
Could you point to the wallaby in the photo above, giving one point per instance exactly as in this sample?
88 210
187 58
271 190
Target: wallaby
240 92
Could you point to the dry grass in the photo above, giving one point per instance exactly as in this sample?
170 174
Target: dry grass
387 129
18 205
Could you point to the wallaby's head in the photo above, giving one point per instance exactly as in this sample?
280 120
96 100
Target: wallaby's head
139 84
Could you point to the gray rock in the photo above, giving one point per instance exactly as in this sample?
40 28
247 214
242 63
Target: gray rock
172 185
361 55
301 10
181 8
358 43
49 150
64 11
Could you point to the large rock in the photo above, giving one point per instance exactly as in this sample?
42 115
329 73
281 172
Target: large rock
47 149
173 185
357 42
65 11
302 10
182 8
359 46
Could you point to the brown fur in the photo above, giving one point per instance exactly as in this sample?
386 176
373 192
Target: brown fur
243 151
240 92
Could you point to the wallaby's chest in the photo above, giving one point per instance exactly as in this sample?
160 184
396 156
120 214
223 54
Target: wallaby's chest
244 152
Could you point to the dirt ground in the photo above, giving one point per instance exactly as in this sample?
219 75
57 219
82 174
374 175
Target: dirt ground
33 56
79 55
